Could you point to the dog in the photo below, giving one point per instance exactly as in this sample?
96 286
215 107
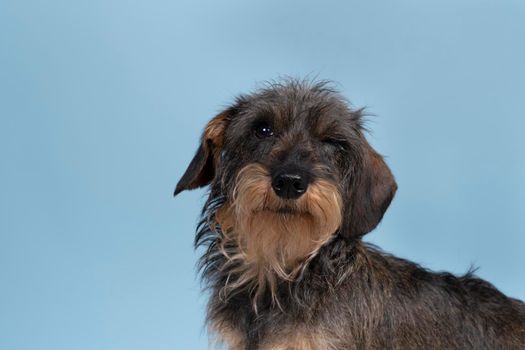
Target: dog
294 186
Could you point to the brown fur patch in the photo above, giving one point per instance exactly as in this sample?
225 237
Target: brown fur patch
266 237
214 131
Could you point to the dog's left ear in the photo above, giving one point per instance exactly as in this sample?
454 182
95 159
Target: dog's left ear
201 170
371 191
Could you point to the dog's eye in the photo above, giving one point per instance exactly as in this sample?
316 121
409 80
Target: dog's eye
263 130
338 144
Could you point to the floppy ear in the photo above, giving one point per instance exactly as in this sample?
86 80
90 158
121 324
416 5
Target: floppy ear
201 170
370 193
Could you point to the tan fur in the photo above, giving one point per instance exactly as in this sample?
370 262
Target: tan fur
226 335
266 243
214 131
298 339
214 134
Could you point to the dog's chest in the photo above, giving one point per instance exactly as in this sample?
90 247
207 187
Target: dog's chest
298 337
241 329
296 340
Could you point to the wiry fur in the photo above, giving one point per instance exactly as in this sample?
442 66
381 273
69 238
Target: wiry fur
252 226
294 274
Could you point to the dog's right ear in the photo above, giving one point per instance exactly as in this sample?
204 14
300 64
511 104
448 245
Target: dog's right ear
201 170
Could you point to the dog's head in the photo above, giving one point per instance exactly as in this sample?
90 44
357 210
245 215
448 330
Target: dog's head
294 168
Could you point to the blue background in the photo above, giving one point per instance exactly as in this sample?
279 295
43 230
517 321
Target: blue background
102 104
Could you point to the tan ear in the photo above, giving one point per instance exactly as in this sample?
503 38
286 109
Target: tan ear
370 193
201 170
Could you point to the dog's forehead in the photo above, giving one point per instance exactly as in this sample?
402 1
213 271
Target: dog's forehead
296 108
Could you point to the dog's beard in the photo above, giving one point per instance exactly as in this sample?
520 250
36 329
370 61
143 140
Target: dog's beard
266 238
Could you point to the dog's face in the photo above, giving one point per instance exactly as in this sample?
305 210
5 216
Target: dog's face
294 168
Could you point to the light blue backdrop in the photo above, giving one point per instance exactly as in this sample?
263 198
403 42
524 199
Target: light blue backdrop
102 103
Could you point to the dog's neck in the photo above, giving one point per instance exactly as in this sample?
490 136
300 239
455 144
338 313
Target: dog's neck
227 272
333 266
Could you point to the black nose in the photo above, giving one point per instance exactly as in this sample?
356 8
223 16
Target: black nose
289 186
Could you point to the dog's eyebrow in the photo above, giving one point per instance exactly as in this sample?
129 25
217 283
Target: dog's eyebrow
263 115
332 128
333 136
